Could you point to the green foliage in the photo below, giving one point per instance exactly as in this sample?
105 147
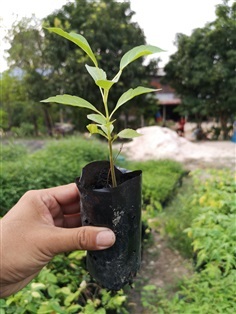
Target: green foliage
26 129
202 69
211 228
64 287
201 295
46 64
213 232
12 152
160 178
59 163
177 216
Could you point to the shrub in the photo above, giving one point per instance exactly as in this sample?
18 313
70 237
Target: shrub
12 152
59 163
160 179
212 232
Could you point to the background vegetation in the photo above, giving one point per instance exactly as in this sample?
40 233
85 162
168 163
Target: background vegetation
202 71
201 225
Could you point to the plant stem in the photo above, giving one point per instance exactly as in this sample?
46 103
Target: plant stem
109 137
112 168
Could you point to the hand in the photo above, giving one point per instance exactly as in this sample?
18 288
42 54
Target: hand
42 224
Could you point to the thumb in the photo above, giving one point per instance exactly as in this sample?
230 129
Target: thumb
84 238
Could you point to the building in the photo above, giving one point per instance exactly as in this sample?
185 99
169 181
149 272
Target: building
166 97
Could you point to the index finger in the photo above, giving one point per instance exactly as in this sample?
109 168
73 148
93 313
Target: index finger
66 195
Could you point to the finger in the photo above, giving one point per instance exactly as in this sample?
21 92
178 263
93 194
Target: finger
65 194
72 221
83 238
64 198
71 209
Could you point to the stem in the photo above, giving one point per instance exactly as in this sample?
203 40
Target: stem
112 168
113 175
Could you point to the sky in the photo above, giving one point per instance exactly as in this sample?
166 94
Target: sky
161 20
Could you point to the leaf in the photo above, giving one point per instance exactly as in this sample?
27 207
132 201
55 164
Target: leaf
96 73
71 101
93 129
136 53
100 77
108 128
106 84
128 133
131 93
79 40
97 118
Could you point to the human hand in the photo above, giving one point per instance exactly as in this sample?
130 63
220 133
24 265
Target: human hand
42 224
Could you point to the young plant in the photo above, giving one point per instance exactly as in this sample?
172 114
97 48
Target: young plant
103 122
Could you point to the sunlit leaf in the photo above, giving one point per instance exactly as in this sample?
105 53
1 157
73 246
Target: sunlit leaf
136 53
128 133
96 73
97 118
71 101
100 77
106 84
131 93
78 39
93 129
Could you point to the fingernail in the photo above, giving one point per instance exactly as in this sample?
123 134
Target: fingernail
105 239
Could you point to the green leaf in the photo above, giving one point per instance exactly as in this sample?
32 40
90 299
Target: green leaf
97 118
100 77
131 93
136 53
96 73
106 84
79 40
108 128
93 129
128 133
71 101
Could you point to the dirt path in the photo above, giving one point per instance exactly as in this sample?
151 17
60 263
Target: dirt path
161 267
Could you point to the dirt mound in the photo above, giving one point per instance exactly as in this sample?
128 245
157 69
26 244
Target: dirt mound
159 143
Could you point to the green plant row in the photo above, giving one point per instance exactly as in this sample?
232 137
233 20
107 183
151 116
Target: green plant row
212 232
59 163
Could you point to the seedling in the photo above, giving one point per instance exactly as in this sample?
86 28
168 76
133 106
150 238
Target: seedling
103 122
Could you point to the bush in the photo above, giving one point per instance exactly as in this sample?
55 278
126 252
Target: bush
25 130
59 163
160 180
212 216
12 152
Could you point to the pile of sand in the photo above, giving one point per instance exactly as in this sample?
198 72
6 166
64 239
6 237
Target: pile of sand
159 143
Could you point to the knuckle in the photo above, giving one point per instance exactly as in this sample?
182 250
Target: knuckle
83 239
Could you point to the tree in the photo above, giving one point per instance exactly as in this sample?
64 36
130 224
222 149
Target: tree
52 65
107 26
202 71
28 63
